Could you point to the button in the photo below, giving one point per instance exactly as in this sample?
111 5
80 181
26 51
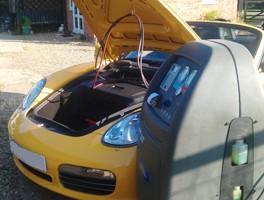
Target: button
167 103
153 99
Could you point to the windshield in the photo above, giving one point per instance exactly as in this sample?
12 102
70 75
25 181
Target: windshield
246 36
149 56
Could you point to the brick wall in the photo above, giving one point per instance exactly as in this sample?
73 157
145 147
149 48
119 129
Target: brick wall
87 31
69 17
195 9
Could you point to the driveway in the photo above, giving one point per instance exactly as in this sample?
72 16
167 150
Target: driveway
23 61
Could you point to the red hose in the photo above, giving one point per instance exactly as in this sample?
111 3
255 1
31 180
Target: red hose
101 61
140 48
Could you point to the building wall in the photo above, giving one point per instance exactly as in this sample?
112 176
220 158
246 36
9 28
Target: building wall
196 9
69 16
87 31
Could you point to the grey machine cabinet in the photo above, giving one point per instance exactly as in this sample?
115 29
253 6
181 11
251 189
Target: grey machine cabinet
203 99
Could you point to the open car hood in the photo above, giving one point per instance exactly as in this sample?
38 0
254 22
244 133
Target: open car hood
164 30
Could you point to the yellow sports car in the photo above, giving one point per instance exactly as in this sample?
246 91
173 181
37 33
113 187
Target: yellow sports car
75 132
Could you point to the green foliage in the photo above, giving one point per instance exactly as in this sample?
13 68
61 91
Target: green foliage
23 25
211 15
26 22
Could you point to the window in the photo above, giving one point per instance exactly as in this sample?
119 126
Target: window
81 23
76 22
248 37
75 10
208 2
70 6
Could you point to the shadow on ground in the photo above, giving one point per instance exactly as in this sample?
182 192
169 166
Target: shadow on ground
13 185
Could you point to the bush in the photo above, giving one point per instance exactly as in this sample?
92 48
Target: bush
26 26
26 22
211 15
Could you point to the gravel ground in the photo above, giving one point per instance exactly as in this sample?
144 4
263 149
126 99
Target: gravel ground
23 61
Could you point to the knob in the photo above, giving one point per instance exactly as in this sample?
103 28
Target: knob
153 99
167 103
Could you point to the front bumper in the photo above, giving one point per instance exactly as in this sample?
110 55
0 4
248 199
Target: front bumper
86 151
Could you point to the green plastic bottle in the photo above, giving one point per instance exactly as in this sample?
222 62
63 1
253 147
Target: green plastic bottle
239 153
237 193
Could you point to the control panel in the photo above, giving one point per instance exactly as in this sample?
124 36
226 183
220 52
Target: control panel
172 89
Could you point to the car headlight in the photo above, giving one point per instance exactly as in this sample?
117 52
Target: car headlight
125 132
33 94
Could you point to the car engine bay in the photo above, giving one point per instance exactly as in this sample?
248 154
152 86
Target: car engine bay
78 108
103 95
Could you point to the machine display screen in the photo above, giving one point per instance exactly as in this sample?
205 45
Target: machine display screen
179 77
170 77
172 88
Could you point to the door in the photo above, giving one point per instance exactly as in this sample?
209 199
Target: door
78 22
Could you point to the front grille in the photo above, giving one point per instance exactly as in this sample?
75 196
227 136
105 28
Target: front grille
86 184
36 172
